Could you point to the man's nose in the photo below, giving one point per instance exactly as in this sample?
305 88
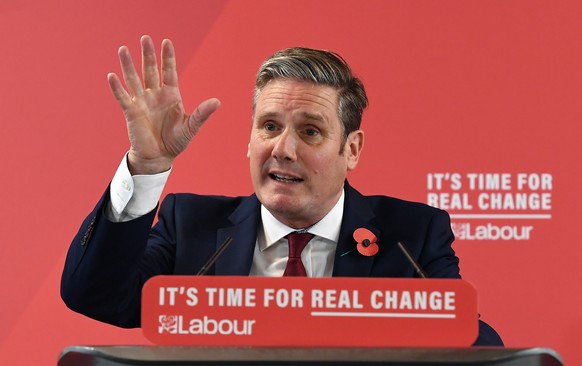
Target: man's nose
285 146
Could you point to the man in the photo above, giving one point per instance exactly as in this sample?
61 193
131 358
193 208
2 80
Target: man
305 137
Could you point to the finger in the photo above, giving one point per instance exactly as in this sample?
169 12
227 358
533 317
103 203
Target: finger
169 74
129 74
201 114
122 97
151 76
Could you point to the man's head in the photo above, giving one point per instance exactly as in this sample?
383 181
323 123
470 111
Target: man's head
319 67
305 136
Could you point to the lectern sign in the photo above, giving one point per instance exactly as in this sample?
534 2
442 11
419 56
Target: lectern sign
291 311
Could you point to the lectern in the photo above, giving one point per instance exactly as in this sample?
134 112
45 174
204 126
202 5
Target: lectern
247 356
307 321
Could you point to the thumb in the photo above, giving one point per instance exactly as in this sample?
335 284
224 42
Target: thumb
201 114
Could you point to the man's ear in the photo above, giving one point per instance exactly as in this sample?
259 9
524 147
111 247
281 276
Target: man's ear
353 148
249 150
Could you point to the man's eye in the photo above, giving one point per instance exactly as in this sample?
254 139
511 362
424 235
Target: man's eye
311 132
270 126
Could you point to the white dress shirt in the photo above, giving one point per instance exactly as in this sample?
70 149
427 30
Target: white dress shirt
272 248
135 196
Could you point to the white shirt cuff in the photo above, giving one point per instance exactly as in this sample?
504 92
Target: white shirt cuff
134 196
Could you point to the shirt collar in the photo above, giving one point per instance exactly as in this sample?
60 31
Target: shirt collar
328 227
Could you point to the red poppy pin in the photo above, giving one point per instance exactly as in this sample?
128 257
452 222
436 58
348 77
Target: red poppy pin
366 242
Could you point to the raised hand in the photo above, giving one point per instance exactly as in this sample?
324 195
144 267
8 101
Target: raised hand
157 125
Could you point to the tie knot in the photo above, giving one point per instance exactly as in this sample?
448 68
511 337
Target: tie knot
297 242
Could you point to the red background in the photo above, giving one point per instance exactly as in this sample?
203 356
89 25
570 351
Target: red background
454 86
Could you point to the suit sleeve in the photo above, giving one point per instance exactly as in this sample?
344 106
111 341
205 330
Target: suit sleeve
108 263
437 257
440 261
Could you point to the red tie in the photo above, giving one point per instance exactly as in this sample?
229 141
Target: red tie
297 243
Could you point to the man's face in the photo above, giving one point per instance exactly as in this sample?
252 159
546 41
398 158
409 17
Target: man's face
296 166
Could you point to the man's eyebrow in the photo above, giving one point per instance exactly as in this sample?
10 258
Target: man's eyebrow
316 117
268 115
313 116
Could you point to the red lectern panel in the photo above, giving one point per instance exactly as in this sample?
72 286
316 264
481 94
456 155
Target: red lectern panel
309 312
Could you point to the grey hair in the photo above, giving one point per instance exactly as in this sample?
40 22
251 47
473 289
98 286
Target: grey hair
320 67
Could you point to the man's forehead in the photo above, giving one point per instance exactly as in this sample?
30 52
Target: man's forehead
297 84
280 94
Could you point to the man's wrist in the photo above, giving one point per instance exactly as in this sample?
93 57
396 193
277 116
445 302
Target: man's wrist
140 166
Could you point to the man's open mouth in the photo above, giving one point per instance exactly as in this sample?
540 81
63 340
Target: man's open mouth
284 178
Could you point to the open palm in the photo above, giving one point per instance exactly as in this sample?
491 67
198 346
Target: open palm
159 129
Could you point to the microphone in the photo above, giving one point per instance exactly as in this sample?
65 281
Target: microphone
215 256
412 261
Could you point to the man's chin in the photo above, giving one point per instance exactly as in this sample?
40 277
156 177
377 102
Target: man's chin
285 211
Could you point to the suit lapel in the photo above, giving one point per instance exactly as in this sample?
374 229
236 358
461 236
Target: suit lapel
238 257
357 214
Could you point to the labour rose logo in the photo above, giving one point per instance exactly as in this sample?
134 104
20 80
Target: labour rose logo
168 324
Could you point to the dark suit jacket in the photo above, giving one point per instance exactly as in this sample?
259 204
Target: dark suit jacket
108 263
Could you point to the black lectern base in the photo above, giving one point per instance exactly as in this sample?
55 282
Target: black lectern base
247 356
